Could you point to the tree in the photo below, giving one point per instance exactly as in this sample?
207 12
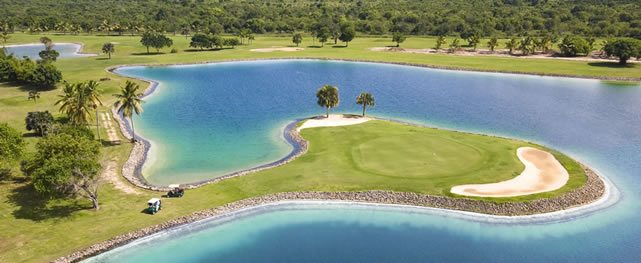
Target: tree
66 166
297 38
34 95
47 42
512 45
323 35
108 48
92 92
572 46
78 100
5 37
455 45
327 97
39 122
45 75
233 42
49 55
493 43
11 148
366 99
201 41
526 45
623 48
440 41
399 38
129 102
155 40
348 32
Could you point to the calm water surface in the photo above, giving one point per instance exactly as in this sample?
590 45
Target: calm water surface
235 113
66 50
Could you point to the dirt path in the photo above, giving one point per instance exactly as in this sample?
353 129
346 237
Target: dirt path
110 174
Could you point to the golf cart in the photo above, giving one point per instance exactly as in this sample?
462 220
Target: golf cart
153 206
175 191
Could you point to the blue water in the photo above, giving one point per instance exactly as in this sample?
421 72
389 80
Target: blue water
66 50
235 111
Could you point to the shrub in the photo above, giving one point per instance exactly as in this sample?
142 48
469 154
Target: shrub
572 46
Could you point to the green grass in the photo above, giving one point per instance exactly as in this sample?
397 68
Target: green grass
377 155
363 157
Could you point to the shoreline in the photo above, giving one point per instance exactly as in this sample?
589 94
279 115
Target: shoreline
79 52
437 205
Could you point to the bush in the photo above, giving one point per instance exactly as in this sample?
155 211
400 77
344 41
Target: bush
39 121
11 148
572 46
46 75
174 51
42 74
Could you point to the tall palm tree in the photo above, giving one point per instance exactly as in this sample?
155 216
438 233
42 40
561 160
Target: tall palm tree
327 97
108 48
92 94
366 99
78 100
128 102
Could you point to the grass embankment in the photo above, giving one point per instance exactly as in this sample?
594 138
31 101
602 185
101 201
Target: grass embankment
33 230
377 155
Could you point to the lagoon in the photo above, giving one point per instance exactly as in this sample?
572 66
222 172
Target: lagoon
66 50
235 113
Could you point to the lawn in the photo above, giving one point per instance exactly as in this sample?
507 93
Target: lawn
377 155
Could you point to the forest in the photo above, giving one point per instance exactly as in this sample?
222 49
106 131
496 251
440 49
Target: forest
500 18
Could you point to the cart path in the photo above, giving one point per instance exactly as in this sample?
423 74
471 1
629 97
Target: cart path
110 175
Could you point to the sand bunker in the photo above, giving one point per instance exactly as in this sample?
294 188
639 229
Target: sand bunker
543 173
271 49
333 120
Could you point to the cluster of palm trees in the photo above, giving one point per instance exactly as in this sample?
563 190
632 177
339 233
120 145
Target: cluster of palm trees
328 98
80 99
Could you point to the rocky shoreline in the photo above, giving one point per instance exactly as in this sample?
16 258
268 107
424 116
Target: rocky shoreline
593 190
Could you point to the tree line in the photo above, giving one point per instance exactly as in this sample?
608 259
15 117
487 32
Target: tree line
597 18
41 73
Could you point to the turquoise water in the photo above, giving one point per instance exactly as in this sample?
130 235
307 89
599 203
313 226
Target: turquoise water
235 112
66 50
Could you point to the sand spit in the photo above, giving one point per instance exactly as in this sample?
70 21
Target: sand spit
542 173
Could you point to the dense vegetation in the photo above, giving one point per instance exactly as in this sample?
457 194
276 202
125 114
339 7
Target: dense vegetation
600 18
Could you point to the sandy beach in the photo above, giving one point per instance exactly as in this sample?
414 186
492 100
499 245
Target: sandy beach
542 173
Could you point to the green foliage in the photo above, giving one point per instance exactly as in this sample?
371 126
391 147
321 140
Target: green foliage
365 99
49 55
128 102
398 37
440 41
42 74
78 100
455 45
34 95
348 32
39 121
323 35
232 42
11 149
512 44
493 43
527 45
46 75
572 46
155 40
200 41
327 97
623 48
297 38
65 166
108 48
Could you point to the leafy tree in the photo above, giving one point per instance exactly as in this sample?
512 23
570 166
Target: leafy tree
217 41
526 45
323 35
493 43
34 95
623 48
155 40
512 45
49 55
45 75
297 38
108 48
348 32
440 41
327 97
455 45
11 148
572 46
398 37
544 43
201 41
5 37
66 166
128 102
233 42
39 122
366 99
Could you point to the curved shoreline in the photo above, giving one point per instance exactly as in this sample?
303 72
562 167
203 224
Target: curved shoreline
469 209
79 52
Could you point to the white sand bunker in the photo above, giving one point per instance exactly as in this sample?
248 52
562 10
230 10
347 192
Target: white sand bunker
543 173
271 49
333 120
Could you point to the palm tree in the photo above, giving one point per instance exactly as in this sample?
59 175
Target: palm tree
128 102
512 44
492 44
108 48
366 99
327 97
34 95
67 99
92 93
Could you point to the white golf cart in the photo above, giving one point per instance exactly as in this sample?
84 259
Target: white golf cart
154 206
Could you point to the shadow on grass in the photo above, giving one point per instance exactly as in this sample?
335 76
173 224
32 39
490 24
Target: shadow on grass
315 46
33 206
339 46
610 65
102 58
204 50
147 54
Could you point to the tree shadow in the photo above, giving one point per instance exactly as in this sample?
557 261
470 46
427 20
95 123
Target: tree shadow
314 46
610 65
339 46
147 54
203 50
33 206
102 58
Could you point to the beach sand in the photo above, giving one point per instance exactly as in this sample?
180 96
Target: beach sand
542 173
333 120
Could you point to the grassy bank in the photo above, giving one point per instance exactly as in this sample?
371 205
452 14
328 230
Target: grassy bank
377 155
